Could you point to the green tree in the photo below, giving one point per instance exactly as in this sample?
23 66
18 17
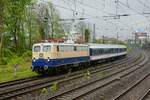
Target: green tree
2 16
14 20
49 21
87 35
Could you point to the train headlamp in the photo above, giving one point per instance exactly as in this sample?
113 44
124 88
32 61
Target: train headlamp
33 59
48 59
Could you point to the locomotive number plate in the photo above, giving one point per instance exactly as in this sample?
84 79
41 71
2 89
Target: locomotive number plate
41 55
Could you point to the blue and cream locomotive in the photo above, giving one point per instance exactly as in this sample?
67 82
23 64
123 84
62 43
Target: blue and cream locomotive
47 56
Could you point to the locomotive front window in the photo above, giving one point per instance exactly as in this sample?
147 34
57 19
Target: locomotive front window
46 48
37 48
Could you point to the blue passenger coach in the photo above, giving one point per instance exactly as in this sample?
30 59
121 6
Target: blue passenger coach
105 51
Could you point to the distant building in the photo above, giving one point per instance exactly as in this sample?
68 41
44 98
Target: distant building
139 40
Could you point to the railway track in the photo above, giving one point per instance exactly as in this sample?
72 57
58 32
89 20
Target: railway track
20 81
146 96
14 82
124 92
24 89
81 90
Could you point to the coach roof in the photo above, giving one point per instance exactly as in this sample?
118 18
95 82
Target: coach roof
106 46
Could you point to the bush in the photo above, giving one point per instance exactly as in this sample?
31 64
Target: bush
7 55
15 61
11 57
3 61
27 55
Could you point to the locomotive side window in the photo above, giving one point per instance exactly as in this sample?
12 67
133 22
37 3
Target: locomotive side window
58 48
37 48
75 48
46 48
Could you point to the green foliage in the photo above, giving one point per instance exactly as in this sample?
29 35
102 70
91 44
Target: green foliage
28 53
3 61
110 41
19 20
23 28
12 59
14 22
100 41
6 57
87 75
87 35
2 16
59 35
8 53
44 90
23 71
54 87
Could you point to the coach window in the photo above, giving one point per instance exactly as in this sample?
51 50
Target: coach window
124 49
93 52
120 50
101 51
114 50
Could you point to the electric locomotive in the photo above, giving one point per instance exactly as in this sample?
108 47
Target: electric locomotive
47 56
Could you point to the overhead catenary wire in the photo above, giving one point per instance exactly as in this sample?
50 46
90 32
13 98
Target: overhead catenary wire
95 17
143 4
92 7
134 10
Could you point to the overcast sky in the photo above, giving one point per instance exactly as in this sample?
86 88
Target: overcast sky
101 12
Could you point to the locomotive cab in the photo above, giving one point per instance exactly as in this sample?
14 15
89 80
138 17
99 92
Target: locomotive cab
41 55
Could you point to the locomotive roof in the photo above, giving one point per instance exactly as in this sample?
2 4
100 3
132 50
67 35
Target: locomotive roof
71 44
90 45
106 46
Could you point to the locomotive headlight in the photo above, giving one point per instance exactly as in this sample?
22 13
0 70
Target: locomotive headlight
33 59
48 59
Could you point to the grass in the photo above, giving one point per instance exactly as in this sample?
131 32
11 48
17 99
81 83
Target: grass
23 71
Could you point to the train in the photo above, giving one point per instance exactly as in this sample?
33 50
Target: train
47 57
